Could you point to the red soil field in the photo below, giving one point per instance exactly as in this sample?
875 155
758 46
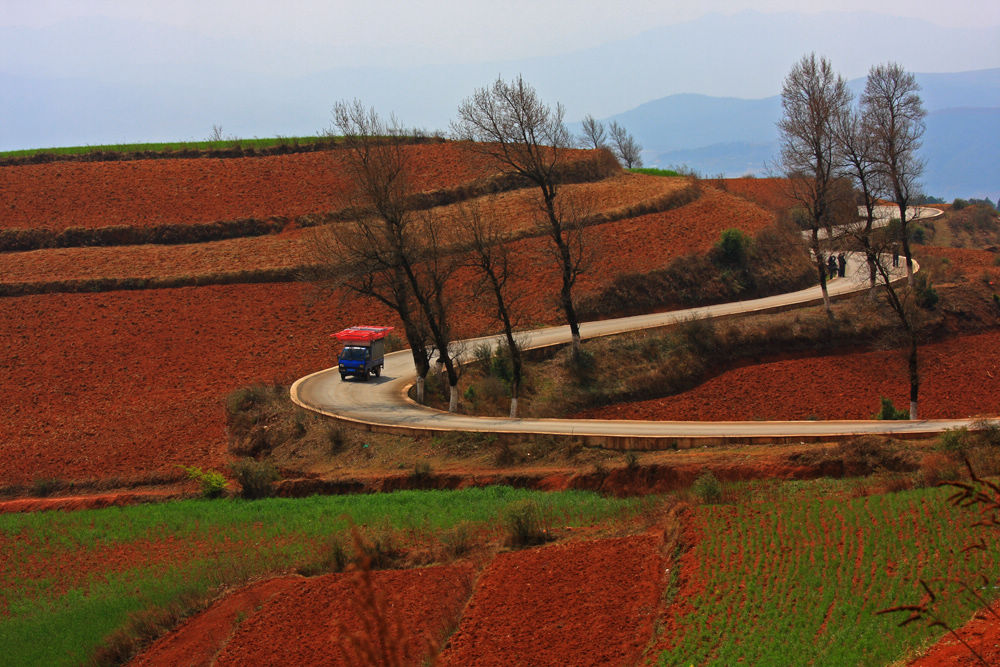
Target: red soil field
583 603
143 193
959 379
518 209
129 385
766 192
312 623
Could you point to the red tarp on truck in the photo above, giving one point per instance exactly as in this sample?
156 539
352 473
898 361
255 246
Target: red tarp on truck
361 334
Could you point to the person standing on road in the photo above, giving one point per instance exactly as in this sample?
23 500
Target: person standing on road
831 266
841 265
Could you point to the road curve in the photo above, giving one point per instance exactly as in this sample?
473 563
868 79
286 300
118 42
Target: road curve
381 403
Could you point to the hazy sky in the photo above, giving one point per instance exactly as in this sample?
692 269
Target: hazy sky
457 30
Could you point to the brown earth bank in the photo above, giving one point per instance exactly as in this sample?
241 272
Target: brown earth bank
960 377
981 633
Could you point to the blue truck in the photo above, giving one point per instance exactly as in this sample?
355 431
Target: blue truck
363 353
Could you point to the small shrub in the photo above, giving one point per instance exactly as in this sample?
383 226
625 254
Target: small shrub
733 247
927 296
707 488
987 431
421 475
213 483
45 486
525 525
256 478
457 541
955 440
334 557
889 411
381 548
937 469
631 461
334 436
505 455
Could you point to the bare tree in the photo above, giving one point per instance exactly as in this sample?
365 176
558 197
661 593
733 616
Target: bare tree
812 96
388 253
594 135
490 257
624 146
510 124
907 301
859 164
895 115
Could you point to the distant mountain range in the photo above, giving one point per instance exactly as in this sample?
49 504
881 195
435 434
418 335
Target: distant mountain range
734 137
102 80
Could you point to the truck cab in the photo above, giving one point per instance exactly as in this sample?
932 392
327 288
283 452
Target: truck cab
363 353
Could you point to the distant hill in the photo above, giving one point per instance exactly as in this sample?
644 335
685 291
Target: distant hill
731 136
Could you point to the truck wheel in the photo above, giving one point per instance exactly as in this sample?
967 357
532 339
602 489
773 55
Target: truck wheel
343 377
364 376
378 371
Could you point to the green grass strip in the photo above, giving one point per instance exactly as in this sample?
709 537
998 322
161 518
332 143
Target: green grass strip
166 147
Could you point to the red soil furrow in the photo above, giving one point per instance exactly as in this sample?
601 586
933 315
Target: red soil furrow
959 379
196 642
323 621
518 210
143 193
569 604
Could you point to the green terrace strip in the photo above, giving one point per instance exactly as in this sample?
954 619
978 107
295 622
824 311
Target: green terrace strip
191 549
168 147
653 171
799 579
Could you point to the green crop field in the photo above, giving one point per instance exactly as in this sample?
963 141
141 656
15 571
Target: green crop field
167 147
794 581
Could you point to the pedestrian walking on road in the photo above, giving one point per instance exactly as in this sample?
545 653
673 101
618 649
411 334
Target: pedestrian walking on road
841 265
895 256
831 266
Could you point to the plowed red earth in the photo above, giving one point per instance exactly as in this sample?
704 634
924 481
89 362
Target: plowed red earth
578 603
183 191
590 603
960 378
291 248
321 621
769 193
128 385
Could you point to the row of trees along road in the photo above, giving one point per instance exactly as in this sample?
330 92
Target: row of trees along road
404 258
836 154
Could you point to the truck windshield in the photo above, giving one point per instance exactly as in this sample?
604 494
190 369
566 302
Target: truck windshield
354 353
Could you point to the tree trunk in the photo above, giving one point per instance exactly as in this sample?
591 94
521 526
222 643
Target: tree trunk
420 389
914 377
453 400
821 269
513 407
905 241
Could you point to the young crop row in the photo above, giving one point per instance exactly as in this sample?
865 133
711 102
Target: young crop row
803 581
56 604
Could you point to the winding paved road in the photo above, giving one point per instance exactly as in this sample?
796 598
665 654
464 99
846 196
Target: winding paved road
381 403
